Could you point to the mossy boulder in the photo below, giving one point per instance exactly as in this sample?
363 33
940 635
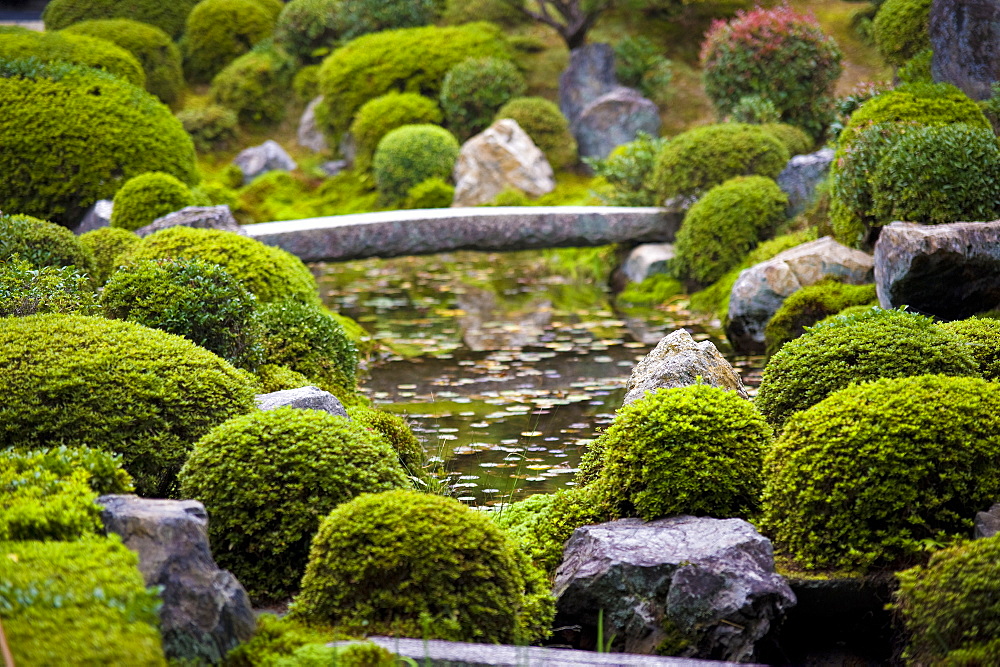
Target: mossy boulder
147 197
810 305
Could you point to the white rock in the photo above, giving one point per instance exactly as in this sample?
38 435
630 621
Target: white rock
502 156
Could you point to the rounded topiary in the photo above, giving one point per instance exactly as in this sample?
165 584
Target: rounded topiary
918 68
107 244
309 29
475 89
167 16
379 116
272 377
212 127
218 32
811 304
117 386
432 193
147 197
268 478
624 177
794 138
397 433
255 86
116 131
156 52
542 120
83 50
408 563
697 160
982 336
778 54
870 474
724 225
901 29
756 110
868 346
410 155
270 273
42 243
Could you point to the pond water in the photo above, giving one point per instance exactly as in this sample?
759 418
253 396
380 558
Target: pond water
506 364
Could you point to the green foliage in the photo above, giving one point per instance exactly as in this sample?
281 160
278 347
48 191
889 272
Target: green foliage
432 193
547 127
82 602
475 89
103 470
795 139
268 478
305 83
309 29
167 16
378 116
808 305
57 164
653 291
219 31
42 243
876 472
901 29
918 68
272 377
858 348
107 244
147 197
755 110
212 128
413 564
697 160
501 12
26 290
640 64
81 50
982 336
724 225
156 52
274 639
623 178
410 155
255 86
119 386
394 430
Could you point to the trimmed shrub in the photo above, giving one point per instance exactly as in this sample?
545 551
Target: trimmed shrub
858 348
255 86
413 60
779 55
212 128
697 160
640 64
811 304
982 335
755 110
408 563
26 290
147 197
268 478
156 52
624 177
547 127
71 160
270 273
475 89
379 116
432 193
272 7
119 386
872 473
795 139
305 83
901 29
107 244
394 430
272 377
309 29
167 16
219 31
51 47
42 243
502 13
918 68
410 155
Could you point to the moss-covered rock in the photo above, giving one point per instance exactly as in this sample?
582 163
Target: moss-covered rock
147 197
219 31
167 16
546 125
810 305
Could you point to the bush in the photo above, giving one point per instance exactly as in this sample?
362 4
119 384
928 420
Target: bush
495 11
255 86
475 89
546 126
859 348
779 55
268 478
274 639
305 83
755 110
119 386
432 193
902 30
697 160
41 243
379 116
212 128
811 304
26 290
640 64
918 68
394 430
156 52
982 336
410 155
875 472
147 197
413 564
413 60
167 16
107 244
74 49
272 377
623 178
103 470
270 273
795 139
219 31
309 29
71 160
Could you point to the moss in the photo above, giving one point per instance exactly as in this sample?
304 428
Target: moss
794 138
212 128
219 31
547 127
398 434
432 193
107 244
807 306
27 290
274 639
652 291
76 49
42 243
475 89
272 377
255 86
167 16
901 29
378 116
410 155
147 197
982 336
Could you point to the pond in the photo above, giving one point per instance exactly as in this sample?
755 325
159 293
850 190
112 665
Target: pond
507 365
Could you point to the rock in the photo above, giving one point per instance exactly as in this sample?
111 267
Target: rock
613 119
965 36
987 523
760 290
309 135
590 75
703 587
951 271
800 177
678 361
502 156
646 260
97 216
257 160
205 610
333 167
303 398
200 217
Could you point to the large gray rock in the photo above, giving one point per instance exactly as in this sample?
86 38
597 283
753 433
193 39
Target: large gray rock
309 135
679 361
257 160
965 36
704 586
590 75
205 610
500 157
97 216
801 176
613 119
987 523
200 217
646 260
760 290
951 271
303 398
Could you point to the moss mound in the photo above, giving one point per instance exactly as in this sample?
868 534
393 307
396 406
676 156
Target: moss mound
409 155
212 127
255 86
546 126
475 89
167 16
901 29
379 116
42 243
107 244
75 49
811 304
272 377
219 31
795 139
982 335
147 197
397 433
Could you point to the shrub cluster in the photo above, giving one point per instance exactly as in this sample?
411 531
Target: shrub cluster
378 116
42 243
75 49
901 29
149 196
219 31
410 155
167 16
542 120
810 305
624 176
212 127
107 244
255 86
27 290
475 89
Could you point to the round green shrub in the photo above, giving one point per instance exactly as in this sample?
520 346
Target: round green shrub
624 177
118 386
502 13
410 155
309 29
167 16
268 478
255 86
272 377
865 477
546 126
103 469
272 7
27 290
408 563
811 304
218 32
42 243
475 89
697 160
82 50
901 29
212 127
156 52
858 348
107 244
755 110
795 139
724 225
270 273
397 433
147 197
378 116
918 68
432 193
305 83
982 335
71 160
